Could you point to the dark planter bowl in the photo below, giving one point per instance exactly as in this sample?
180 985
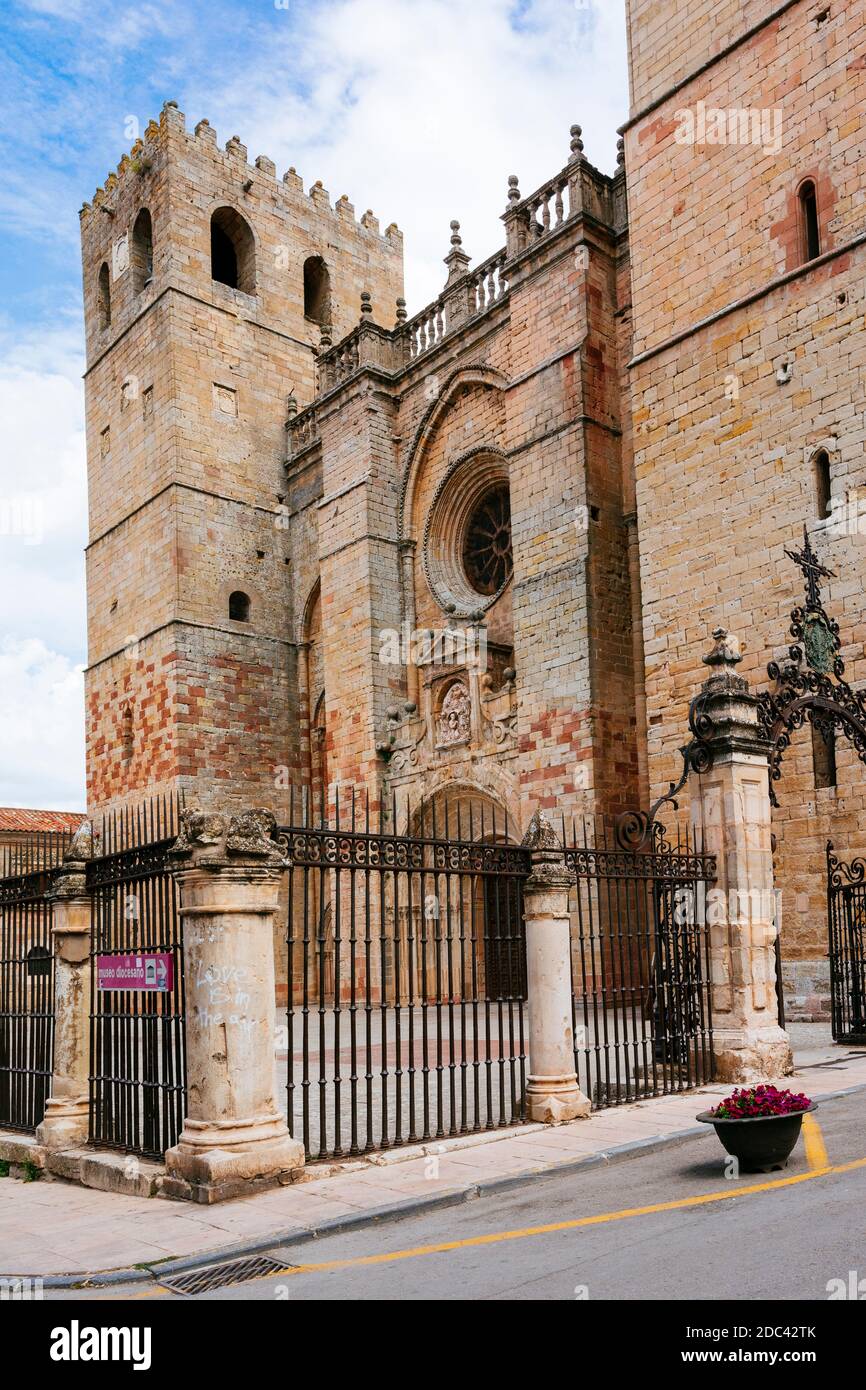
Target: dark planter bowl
760 1143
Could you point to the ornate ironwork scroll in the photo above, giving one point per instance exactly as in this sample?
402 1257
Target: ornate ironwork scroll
641 829
810 685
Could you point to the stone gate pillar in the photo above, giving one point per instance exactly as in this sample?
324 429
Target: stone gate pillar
235 1136
731 811
66 1122
553 1095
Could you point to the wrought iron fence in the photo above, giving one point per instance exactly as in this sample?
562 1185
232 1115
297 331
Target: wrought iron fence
27 980
406 981
846 912
640 960
138 1056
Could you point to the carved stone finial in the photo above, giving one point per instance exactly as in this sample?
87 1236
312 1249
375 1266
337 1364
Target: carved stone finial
70 880
325 339
540 834
401 310
81 845
366 307
549 869
457 260
726 651
576 142
620 152
513 190
291 405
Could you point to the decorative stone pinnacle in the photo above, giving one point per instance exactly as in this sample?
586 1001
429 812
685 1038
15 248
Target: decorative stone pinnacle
513 190
620 151
576 142
325 339
366 307
401 310
292 405
456 238
726 651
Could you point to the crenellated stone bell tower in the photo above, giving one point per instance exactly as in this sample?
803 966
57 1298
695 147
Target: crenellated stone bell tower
208 285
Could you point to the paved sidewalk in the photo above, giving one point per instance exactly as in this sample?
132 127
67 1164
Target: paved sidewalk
52 1228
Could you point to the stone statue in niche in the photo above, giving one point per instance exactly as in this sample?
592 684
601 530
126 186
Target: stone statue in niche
453 725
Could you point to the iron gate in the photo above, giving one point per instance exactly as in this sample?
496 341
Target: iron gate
640 961
846 912
27 980
138 1057
406 974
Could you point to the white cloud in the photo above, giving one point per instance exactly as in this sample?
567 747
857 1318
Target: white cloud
41 727
421 109
43 507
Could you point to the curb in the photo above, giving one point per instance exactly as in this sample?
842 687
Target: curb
302 1235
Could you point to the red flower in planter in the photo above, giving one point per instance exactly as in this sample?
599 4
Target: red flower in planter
759 1101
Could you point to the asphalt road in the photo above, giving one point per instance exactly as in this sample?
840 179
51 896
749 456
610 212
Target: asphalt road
780 1236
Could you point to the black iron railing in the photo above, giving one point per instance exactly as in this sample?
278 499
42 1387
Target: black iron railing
406 969
138 1056
640 962
27 982
846 912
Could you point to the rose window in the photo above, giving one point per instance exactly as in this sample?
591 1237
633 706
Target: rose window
487 544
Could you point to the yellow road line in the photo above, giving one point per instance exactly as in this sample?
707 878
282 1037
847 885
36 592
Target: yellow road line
813 1139
496 1237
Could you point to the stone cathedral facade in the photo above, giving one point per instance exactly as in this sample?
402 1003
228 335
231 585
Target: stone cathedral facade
475 555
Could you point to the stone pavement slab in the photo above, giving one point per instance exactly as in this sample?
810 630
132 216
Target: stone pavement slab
51 1229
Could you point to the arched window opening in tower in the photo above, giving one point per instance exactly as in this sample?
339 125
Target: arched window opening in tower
317 291
239 607
232 251
823 484
142 251
104 296
810 230
487 545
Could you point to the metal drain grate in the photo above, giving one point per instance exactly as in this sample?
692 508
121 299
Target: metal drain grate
221 1276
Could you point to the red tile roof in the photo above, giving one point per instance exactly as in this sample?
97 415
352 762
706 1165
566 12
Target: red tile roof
18 818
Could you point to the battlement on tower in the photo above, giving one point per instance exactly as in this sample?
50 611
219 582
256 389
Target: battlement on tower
145 152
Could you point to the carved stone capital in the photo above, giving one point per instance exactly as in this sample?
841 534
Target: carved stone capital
215 841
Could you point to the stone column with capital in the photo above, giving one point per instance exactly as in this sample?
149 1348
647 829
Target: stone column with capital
731 812
235 1138
553 1095
66 1121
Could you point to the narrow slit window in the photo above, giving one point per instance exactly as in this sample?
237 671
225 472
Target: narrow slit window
811 233
824 757
823 484
104 296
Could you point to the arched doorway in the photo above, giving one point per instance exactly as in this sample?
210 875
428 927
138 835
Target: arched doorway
480 917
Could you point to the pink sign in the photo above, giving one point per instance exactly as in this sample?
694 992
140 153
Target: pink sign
152 971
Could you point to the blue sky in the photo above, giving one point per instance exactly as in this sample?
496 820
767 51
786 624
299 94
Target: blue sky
417 108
